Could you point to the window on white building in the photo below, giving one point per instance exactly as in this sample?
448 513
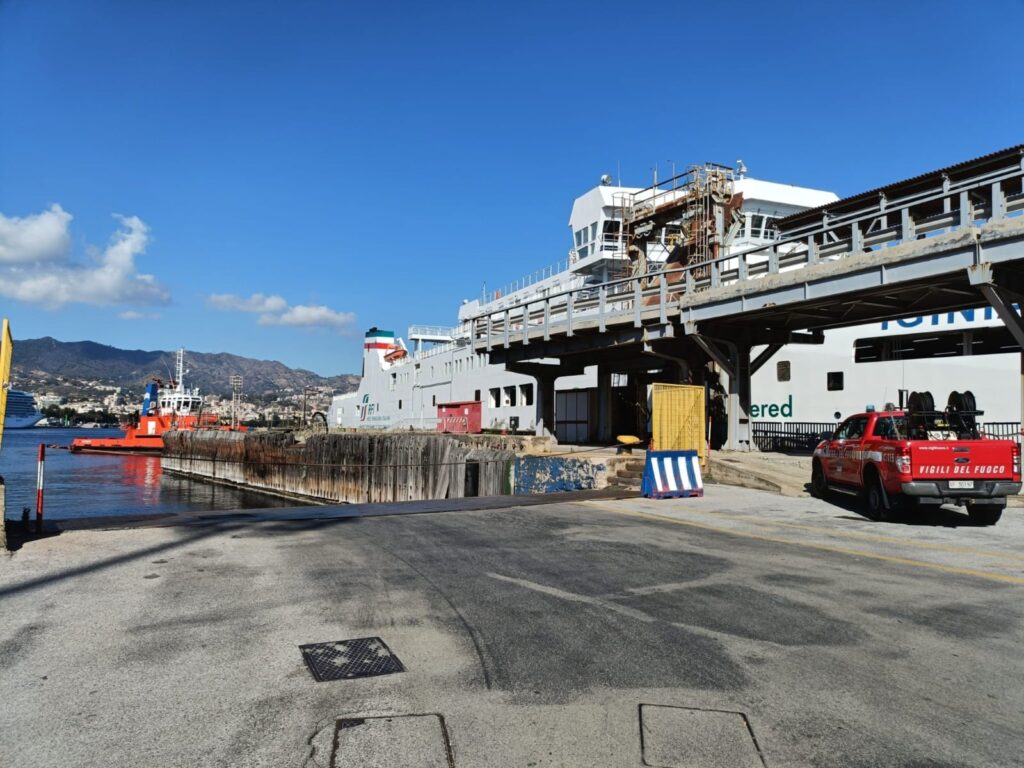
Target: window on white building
526 394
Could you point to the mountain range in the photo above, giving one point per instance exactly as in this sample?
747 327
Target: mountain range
44 361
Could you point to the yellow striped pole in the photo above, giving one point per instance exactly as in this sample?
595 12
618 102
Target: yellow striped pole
5 372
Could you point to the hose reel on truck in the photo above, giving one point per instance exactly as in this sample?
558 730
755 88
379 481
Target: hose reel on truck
957 421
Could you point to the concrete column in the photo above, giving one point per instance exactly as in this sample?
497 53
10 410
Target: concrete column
545 402
740 429
604 406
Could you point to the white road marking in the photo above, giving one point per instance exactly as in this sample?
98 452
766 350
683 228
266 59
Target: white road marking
572 596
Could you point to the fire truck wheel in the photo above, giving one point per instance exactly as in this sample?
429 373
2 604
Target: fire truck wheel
984 514
819 483
875 499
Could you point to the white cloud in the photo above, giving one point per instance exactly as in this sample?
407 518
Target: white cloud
274 310
255 303
35 266
302 316
40 237
131 314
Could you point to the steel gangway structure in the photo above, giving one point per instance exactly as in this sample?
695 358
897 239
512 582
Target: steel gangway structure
944 241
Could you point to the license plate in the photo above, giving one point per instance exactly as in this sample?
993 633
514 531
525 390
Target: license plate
961 484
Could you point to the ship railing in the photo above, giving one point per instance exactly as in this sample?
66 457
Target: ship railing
527 280
991 195
680 187
446 346
432 331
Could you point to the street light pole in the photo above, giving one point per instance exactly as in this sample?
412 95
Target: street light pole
236 391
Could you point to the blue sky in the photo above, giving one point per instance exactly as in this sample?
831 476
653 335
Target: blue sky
290 174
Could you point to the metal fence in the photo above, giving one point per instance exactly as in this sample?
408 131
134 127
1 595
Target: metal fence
791 436
1002 430
803 436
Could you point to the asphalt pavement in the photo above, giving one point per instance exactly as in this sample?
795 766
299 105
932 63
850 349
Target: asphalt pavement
741 629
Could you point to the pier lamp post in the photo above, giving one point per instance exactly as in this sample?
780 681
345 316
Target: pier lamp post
306 393
236 392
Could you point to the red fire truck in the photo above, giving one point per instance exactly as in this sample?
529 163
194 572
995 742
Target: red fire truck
900 459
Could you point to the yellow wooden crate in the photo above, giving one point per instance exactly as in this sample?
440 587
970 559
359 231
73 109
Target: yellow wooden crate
677 414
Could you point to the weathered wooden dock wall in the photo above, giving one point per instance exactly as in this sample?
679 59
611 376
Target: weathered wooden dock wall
354 468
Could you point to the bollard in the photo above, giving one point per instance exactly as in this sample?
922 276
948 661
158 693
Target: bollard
39 488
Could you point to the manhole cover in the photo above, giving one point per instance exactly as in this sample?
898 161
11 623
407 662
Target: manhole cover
685 737
345 659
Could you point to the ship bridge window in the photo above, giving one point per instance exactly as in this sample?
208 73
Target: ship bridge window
579 237
593 231
742 231
756 225
762 227
610 235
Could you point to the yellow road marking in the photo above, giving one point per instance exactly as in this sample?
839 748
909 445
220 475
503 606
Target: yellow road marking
866 536
1005 578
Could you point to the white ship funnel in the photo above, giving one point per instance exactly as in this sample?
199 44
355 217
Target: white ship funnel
376 345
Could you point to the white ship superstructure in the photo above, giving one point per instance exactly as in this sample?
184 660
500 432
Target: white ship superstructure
21 410
404 381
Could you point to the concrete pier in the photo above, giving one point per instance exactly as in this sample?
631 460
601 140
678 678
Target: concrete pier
352 468
387 467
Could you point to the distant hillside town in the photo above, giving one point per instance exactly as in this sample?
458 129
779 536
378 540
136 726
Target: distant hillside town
85 382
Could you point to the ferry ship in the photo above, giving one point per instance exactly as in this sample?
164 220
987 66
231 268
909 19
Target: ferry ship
804 388
21 412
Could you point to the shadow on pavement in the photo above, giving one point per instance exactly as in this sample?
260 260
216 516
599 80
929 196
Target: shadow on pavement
944 517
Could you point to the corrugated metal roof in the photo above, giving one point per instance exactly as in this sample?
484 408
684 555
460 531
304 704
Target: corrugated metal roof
907 185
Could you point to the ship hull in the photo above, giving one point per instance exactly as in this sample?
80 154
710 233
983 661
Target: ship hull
22 422
116 446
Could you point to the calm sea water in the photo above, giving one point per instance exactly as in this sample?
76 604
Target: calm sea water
90 485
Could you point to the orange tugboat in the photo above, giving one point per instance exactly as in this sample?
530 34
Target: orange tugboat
163 408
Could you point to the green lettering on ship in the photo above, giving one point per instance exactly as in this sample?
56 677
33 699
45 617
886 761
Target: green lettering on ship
772 410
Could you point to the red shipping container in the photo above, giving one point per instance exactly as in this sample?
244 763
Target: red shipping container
461 418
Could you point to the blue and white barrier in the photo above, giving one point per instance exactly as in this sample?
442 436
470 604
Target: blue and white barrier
669 474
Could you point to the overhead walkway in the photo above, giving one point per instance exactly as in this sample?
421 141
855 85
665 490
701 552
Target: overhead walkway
948 240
